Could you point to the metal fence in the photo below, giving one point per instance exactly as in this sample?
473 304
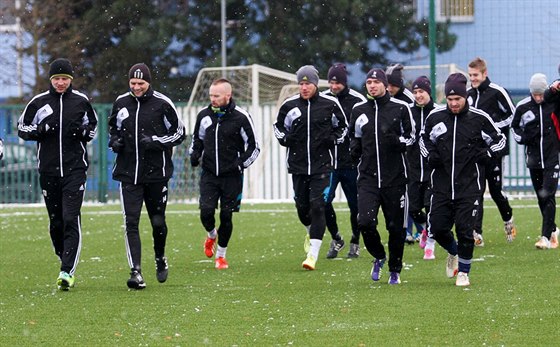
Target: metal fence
266 180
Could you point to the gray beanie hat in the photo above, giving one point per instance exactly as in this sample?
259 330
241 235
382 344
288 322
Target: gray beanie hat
538 83
308 73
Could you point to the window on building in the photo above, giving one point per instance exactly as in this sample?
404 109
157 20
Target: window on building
455 11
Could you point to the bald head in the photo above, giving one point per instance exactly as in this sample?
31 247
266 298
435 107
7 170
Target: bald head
220 92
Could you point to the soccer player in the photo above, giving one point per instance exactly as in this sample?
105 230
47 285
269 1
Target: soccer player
224 145
345 171
309 125
62 121
144 128
534 126
452 141
418 174
381 129
494 100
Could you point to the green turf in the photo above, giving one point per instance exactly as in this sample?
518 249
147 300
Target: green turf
266 298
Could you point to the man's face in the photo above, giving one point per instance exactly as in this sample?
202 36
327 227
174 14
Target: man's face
61 84
538 97
307 90
421 96
477 77
219 95
138 87
456 103
393 89
336 87
375 87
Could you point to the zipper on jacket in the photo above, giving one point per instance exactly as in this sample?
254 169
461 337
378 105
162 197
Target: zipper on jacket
309 137
136 143
453 159
216 146
420 154
542 138
377 144
60 137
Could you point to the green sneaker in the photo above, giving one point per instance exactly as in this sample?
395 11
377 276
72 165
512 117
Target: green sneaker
65 281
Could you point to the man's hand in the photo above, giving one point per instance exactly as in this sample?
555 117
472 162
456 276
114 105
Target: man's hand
116 144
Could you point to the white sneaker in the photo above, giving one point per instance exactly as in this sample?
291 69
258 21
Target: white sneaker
452 265
543 243
306 243
462 279
554 238
478 240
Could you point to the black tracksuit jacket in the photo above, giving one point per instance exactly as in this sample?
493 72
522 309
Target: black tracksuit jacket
310 129
62 151
381 129
226 143
460 142
347 99
133 118
494 100
533 127
418 164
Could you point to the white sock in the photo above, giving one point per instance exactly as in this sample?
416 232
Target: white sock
213 234
315 247
430 244
221 252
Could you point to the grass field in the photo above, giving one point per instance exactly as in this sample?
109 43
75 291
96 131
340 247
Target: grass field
266 298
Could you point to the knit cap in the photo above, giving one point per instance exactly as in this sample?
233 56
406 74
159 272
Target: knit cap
423 83
394 75
308 73
338 73
377 74
140 71
61 68
538 84
456 84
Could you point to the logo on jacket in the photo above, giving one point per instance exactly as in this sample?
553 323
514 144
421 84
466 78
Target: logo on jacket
438 130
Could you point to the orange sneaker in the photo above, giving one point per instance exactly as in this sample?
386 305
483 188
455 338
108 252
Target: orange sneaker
209 246
221 263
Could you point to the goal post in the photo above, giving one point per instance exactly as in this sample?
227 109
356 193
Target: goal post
260 90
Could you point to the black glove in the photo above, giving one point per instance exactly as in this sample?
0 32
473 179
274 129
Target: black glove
81 133
148 142
116 144
527 139
483 157
195 160
394 141
240 164
434 160
47 128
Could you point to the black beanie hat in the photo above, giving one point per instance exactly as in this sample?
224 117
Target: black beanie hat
456 84
377 74
394 75
61 68
140 71
423 83
338 73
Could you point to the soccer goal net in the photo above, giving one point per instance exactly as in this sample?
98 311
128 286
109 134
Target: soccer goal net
260 90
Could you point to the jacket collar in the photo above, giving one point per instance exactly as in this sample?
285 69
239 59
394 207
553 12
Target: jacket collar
483 85
148 94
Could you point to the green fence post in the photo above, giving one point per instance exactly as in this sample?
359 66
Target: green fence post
102 136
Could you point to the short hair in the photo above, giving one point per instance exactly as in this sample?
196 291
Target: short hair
478 63
220 81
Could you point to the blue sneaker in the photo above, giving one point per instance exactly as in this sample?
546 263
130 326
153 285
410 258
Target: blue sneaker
376 269
394 278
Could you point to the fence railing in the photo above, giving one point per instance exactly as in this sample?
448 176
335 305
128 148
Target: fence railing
267 179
